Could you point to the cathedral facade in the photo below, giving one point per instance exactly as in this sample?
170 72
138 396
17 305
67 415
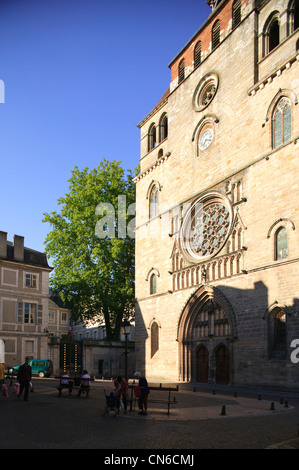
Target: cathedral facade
217 217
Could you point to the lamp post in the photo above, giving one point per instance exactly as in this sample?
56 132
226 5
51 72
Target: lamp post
126 330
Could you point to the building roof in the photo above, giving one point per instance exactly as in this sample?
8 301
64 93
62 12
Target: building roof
33 257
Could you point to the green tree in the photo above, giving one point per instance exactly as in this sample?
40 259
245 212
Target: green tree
92 256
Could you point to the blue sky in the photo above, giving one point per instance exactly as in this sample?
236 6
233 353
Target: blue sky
79 75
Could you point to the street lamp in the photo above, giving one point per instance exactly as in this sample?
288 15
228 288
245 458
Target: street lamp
126 330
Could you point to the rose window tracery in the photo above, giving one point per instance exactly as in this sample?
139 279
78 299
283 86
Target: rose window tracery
206 226
210 229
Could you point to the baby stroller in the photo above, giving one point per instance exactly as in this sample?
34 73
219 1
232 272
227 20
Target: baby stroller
111 404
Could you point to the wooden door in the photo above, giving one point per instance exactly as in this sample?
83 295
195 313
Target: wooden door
222 365
202 365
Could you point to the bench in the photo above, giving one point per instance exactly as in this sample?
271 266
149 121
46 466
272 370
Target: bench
169 401
73 381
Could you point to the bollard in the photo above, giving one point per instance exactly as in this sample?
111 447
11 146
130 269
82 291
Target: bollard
259 397
286 404
223 411
194 389
235 394
214 392
272 408
281 401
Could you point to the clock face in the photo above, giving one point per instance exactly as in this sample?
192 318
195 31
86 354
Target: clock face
205 139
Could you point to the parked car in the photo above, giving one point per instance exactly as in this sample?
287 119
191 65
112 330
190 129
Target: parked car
40 367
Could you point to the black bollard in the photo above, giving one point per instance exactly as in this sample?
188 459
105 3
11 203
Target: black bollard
194 389
223 411
286 404
259 397
281 401
214 392
235 394
272 408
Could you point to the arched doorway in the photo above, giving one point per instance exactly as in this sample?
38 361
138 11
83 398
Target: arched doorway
206 323
202 365
222 365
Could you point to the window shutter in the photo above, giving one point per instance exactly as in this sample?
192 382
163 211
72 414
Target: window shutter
197 54
236 13
216 34
19 312
39 314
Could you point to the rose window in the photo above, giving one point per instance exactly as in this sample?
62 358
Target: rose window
206 226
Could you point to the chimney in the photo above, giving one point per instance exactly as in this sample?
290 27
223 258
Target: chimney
18 243
3 245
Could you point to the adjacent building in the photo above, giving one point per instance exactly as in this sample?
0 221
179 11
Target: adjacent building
31 324
217 252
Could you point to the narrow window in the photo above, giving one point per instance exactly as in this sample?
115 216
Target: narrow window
154 338
273 34
293 16
163 127
282 123
281 244
153 202
29 313
279 331
197 54
153 284
152 138
278 334
236 13
215 34
296 15
181 71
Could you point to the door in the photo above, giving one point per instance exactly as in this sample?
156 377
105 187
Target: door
203 365
222 365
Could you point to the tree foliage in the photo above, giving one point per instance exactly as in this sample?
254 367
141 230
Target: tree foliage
93 275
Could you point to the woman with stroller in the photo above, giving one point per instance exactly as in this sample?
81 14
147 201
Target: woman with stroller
121 392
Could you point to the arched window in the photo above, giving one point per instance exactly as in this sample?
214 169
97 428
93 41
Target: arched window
197 54
181 71
236 13
215 34
282 123
154 338
271 33
153 202
293 16
153 284
281 243
151 138
296 15
163 128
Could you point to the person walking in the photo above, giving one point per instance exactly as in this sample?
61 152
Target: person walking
24 377
144 389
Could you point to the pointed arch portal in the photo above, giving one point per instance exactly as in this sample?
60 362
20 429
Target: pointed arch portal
206 333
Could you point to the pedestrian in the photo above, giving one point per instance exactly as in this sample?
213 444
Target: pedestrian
144 392
24 378
121 393
2 376
84 384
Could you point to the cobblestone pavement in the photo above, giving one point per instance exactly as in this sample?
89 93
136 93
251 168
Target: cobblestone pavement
48 421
